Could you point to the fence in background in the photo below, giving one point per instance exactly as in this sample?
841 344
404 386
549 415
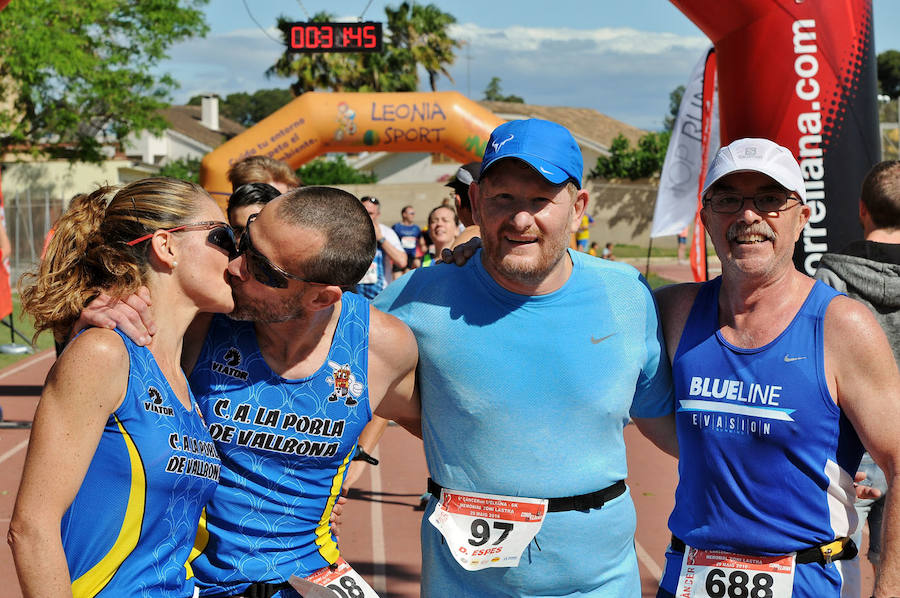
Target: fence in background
29 216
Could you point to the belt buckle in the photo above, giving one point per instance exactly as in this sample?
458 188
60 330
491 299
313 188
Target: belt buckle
828 552
584 502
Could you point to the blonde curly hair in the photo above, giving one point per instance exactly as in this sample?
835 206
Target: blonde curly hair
89 251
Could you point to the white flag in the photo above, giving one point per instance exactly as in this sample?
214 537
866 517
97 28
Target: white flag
676 200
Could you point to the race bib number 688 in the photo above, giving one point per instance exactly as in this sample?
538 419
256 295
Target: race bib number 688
718 574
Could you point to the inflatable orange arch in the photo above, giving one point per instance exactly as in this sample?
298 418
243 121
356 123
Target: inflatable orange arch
319 122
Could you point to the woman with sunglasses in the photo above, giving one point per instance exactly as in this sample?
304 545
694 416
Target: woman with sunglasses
120 463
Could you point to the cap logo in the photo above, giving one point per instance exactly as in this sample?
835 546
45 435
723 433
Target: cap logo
497 146
750 152
545 171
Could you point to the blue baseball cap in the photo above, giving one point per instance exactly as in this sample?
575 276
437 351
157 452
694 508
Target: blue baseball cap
546 146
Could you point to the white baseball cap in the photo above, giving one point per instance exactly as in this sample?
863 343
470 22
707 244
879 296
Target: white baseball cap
757 155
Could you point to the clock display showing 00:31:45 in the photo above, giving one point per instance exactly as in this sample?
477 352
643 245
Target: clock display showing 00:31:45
335 37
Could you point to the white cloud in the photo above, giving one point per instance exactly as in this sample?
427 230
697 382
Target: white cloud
622 72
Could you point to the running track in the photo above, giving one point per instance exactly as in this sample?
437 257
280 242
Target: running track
380 533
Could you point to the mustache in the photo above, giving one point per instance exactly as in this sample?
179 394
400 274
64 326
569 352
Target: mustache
739 229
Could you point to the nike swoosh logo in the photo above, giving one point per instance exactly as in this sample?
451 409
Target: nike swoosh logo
545 171
600 340
790 359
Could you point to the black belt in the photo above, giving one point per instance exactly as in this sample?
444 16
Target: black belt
582 502
837 550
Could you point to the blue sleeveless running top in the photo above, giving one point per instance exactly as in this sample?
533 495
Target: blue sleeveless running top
285 446
130 528
766 457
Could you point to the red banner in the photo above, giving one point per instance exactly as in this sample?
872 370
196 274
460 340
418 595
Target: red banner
698 244
6 302
803 75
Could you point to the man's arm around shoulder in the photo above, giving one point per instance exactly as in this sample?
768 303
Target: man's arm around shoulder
674 303
393 356
863 378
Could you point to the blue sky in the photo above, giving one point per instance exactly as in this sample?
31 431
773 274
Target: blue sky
620 57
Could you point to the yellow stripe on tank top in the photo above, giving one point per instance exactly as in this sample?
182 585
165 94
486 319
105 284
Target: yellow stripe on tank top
324 540
200 543
96 578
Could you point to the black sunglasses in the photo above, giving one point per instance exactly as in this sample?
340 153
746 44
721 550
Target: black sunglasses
220 235
263 270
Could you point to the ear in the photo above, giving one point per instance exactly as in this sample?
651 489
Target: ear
805 213
578 208
162 245
322 297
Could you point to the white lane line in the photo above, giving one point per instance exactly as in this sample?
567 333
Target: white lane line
379 575
13 451
29 362
647 561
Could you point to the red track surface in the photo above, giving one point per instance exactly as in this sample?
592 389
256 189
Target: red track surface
380 533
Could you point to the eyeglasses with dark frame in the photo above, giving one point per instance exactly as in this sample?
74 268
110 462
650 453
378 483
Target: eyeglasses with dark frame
725 202
220 235
262 269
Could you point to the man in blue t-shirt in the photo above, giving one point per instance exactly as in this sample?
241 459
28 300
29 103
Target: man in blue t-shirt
523 424
408 232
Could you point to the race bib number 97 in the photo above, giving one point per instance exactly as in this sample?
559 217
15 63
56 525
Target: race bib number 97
486 530
718 574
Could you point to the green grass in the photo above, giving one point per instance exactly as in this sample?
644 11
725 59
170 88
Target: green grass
636 251
657 281
23 325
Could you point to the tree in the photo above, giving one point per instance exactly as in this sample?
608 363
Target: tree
186 169
623 162
421 30
889 73
71 72
674 104
492 93
324 171
249 109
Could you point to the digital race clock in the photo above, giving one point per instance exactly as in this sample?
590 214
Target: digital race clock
335 37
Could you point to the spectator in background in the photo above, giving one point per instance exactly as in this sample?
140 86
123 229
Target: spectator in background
465 176
607 252
263 169
248 200
388 252
408 232
583 234
682 245
593 249
868 270
443 224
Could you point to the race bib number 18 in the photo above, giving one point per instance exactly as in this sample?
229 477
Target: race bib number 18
486 530
342 581
718 574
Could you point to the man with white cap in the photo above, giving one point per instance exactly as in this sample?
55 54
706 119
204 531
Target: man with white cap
779 383
523 429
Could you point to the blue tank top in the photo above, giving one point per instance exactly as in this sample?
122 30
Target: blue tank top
766 457
130 528
285 446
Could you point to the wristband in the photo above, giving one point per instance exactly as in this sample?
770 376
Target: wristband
362 455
